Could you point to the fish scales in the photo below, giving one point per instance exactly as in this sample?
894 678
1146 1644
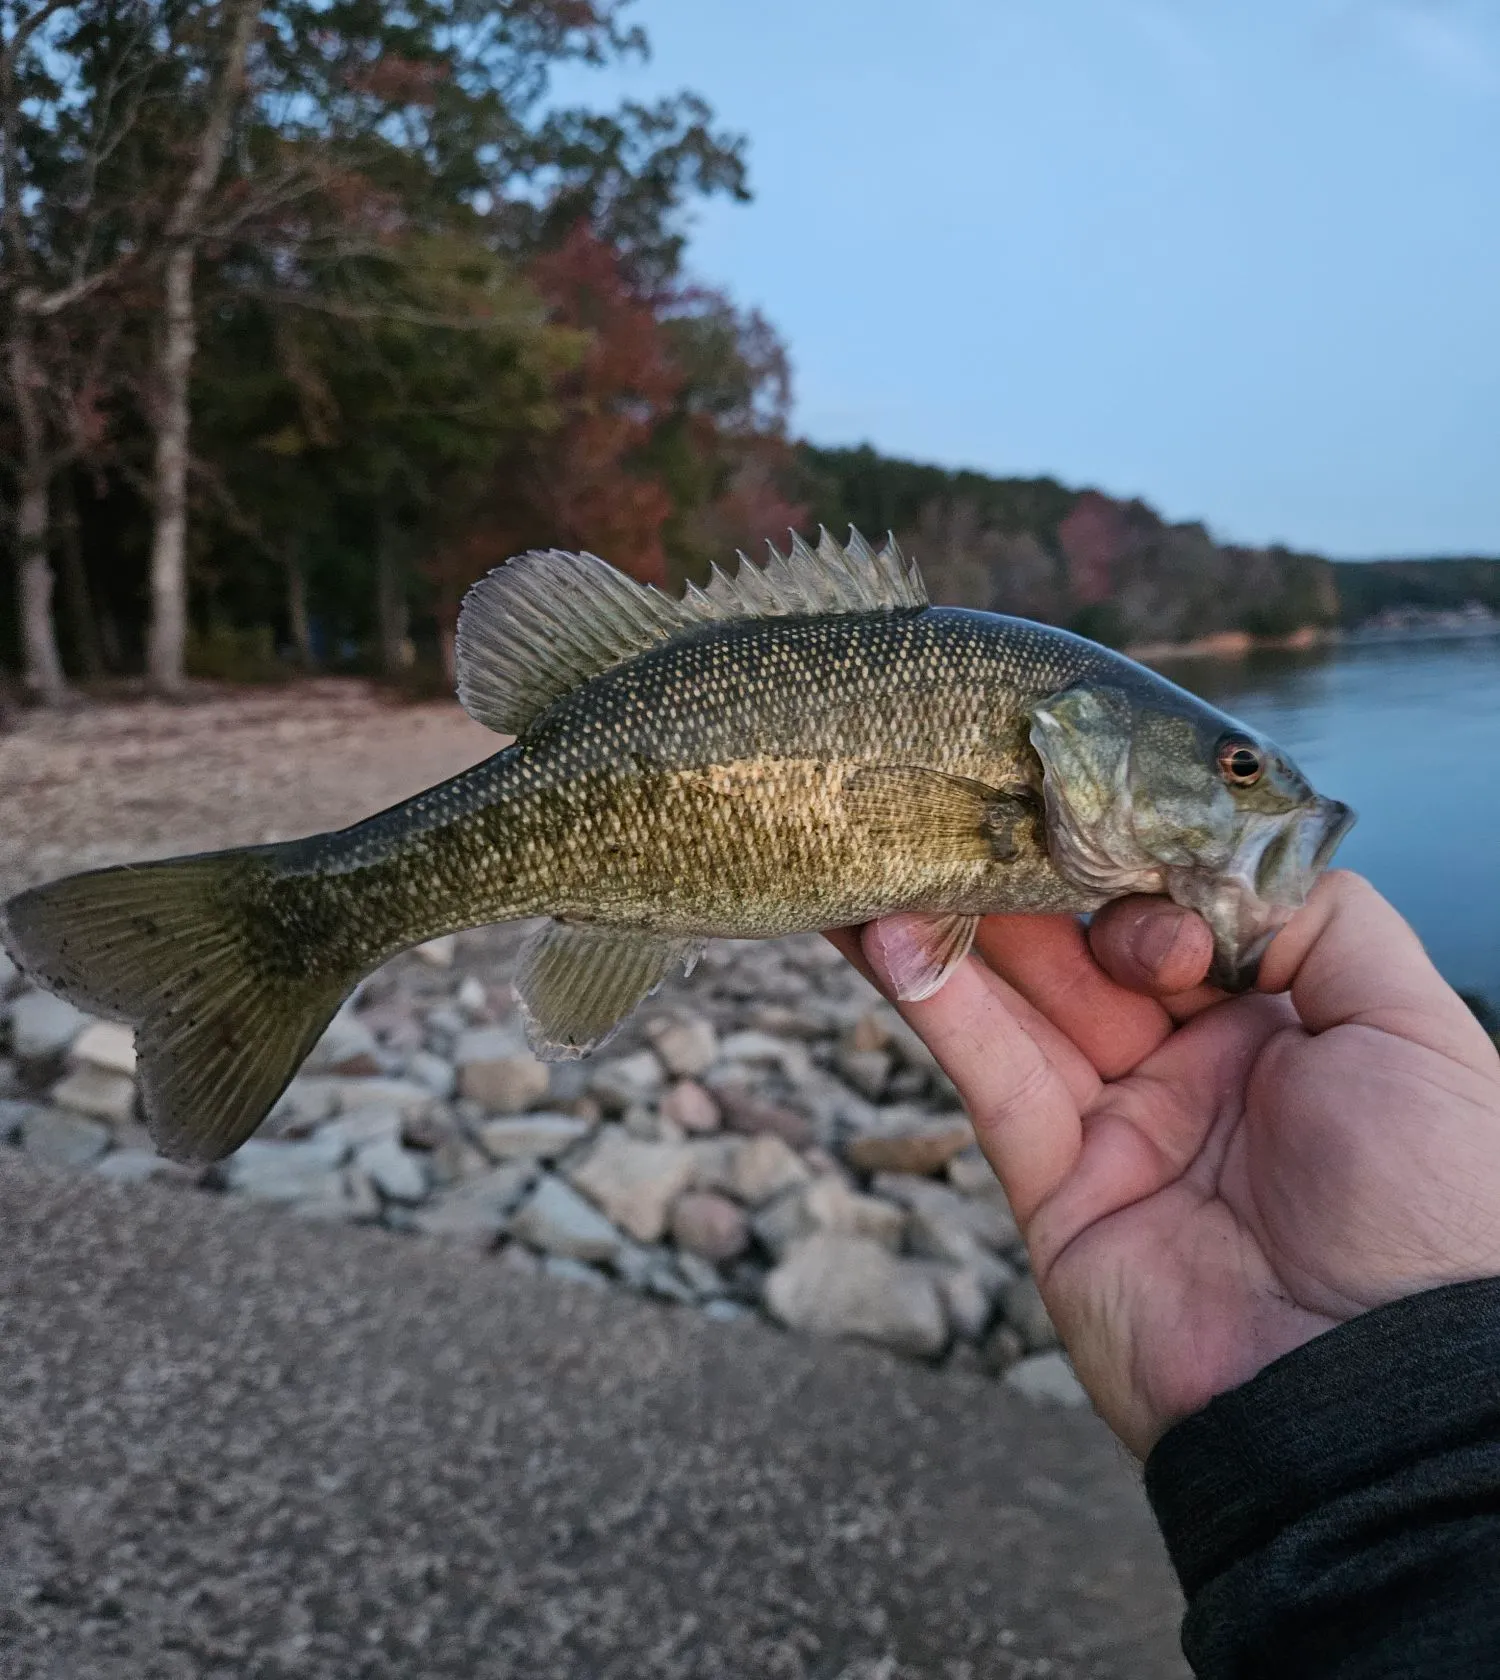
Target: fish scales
699 789
804 746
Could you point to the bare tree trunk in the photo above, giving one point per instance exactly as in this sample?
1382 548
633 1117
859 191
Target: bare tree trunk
296 608
43 672
174 366
164 648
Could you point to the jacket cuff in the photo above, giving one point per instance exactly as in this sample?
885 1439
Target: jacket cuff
1356 1405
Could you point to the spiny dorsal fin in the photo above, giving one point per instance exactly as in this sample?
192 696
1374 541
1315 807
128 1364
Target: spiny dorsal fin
537 627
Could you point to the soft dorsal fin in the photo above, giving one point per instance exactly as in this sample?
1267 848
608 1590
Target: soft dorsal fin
541 624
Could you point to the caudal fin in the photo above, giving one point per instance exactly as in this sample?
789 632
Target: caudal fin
172 948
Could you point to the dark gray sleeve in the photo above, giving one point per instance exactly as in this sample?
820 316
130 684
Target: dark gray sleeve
1338 1516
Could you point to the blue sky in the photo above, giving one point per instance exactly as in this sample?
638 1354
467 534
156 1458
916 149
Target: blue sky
1240 257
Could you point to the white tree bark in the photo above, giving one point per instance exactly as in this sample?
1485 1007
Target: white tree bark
174 365
43 672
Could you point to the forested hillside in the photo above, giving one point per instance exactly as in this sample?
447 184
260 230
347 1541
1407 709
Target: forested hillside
1110 569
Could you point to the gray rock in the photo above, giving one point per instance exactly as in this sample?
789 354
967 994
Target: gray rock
850 1286
9 973
516 1257
478 1210
432 1073
348 1196
471 996
406 1096
709 1226
1047 1377
987 1219
969 1297
305 1102
635 1183
10 1078
763 1167
62 1139
457 1161
533 1137
782 1223
90 1090
652 1271
445 1025
685 1043
347 1046
759 1048
626 1079
828 1204
726 1312
1027 1314
701 1277
573 1271
43 1026
397 1173
557 1220
866 1070
274 1170
135 1166
1002 1348
377 1124
14 1113
107 1045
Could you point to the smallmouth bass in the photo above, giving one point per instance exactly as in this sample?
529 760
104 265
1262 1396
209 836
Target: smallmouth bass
806 745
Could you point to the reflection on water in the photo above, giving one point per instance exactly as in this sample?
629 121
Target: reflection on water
1409 735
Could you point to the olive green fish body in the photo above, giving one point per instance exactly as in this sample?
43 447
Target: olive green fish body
807 746
748 780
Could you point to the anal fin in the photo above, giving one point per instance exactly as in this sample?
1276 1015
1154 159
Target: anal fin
918 953
577 983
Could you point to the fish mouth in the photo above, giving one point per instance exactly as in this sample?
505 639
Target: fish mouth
1267 881
1337 822
1285 862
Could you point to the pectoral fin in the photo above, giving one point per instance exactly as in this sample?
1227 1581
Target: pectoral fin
578 983
968 819
918 953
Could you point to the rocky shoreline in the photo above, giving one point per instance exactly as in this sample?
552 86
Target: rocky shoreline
767 1137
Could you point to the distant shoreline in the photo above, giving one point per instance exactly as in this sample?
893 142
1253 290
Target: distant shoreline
1232 644
1240 644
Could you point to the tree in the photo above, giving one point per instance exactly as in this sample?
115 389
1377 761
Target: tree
62 278
181 238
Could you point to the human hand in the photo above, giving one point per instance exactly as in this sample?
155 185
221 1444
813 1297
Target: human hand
1205 1183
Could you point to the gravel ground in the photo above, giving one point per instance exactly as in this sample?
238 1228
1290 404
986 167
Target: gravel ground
133 779
243 1446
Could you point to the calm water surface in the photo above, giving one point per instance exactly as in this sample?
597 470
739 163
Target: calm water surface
1409 734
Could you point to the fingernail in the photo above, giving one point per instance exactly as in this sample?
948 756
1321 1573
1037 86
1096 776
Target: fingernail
1156 936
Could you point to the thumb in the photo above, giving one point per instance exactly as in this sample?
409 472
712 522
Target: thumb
1348 956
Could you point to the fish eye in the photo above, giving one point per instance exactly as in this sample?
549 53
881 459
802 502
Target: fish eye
1241 762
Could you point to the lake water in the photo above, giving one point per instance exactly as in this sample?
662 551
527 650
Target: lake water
1408 733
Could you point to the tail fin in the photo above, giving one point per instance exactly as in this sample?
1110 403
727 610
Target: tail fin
171 948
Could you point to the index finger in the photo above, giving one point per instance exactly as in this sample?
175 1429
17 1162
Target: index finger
1049 962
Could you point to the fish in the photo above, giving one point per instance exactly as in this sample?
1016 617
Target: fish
804 744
